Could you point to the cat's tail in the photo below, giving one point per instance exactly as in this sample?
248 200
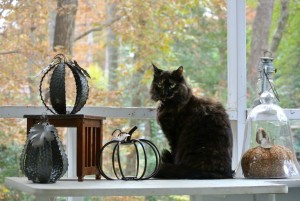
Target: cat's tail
169 170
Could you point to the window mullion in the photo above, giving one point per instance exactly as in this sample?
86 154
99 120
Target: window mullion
236 51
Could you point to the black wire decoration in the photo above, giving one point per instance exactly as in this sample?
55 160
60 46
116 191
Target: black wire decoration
57 88
124 138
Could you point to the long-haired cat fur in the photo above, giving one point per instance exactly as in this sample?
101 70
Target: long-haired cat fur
197 129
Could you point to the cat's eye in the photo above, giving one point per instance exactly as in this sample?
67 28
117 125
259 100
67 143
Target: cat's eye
172 85
160 84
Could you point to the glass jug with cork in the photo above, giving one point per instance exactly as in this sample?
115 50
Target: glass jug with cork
268 145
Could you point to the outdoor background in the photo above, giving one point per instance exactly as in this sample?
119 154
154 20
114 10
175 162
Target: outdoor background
117 42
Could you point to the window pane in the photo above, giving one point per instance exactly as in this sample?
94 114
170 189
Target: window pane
116 42
295 126
274 27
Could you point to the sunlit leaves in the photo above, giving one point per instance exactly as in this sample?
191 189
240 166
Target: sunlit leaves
170 33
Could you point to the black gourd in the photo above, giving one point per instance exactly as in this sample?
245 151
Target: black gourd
43 159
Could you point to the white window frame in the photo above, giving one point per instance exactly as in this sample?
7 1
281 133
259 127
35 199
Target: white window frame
236 66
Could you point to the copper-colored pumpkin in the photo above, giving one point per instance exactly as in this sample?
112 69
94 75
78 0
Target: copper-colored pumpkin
267 160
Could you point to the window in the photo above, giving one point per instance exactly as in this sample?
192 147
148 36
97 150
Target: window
117 42
271 25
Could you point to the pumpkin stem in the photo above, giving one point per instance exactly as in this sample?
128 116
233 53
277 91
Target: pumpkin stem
130 133
264 139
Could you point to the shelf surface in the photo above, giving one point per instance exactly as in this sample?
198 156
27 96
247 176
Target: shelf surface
68 187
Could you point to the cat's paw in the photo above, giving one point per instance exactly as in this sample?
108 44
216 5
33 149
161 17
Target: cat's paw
167 157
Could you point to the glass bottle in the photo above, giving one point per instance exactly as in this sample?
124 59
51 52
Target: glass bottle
268 150
265 81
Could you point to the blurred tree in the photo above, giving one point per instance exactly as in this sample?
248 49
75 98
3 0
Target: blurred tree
63 32
65 26
170 35
287 60
23 39
202 47
112 54
282 22
259 40
262 40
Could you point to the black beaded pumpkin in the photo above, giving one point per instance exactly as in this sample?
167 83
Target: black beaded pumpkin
57 88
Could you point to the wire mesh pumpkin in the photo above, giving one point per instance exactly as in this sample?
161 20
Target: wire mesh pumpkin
119 169
43 159
57 88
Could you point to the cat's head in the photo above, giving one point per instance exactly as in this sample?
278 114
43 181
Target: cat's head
169 85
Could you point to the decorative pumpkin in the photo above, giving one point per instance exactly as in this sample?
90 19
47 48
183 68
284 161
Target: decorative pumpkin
268 160
57 85
43 159
125 139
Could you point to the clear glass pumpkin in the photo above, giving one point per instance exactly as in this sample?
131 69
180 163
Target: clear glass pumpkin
268 147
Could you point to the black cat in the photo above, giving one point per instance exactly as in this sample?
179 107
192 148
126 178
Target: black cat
197 129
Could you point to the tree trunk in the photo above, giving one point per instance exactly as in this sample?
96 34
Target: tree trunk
30 66
64 26
260 36
284 16
51 28
63 36
111 60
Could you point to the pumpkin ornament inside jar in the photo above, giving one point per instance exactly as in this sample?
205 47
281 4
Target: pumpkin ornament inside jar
268 150
267 160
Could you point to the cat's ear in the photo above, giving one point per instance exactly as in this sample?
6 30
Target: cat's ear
157 71
179 72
